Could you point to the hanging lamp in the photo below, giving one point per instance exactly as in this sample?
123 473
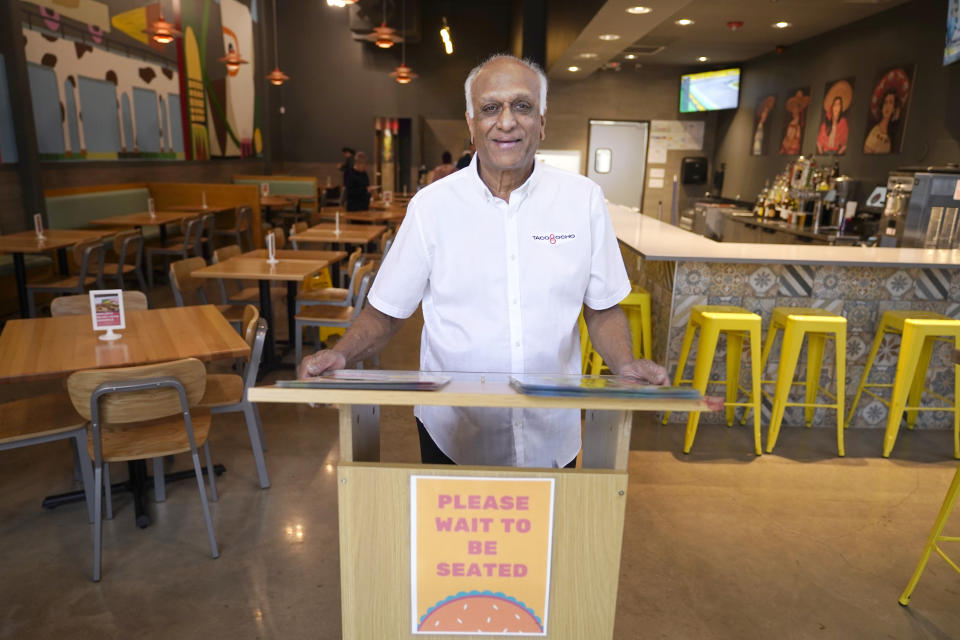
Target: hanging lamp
161 31
403 74
383 36
276 77
233 60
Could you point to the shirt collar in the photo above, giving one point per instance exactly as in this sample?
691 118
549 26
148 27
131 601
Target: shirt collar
522 192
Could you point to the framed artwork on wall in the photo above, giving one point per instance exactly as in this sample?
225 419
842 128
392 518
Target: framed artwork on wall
761 117
796 107
834 133
887 111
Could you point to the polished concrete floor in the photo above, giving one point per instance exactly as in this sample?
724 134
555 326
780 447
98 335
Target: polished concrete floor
717 544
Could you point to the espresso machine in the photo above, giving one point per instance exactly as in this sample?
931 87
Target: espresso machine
922 208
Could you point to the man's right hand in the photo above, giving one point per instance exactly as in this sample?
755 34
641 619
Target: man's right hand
319 363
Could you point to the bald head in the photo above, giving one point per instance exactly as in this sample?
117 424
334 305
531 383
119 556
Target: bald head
501 60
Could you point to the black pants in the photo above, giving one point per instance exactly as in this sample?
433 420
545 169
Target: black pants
430 453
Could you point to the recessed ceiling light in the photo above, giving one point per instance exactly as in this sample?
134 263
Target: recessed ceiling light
702 59
574 68
638 10
783 24
587 55
683 22
609 36
631 56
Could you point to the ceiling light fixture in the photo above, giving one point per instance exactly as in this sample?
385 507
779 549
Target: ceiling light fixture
782 24
573 68
233 60
609 37
735 25
162 32
445 37
276 77
587 55
702 59
630 56
638 10
340 3
683 22
383 36
403 74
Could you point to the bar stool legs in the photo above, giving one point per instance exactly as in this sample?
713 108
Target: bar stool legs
949 502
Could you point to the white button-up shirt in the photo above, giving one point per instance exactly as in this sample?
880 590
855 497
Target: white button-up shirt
502 285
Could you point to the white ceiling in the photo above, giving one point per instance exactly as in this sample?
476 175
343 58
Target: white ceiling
708 35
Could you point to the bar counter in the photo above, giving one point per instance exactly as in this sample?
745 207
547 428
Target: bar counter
682 269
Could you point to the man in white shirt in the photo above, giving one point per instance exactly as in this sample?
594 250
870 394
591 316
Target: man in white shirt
502 255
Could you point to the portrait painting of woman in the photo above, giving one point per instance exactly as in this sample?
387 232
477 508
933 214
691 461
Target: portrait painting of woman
796 123
887 113
834 128
760 118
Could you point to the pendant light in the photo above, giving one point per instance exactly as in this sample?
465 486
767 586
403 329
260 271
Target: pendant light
161 31
383 36
233 60
403 74
276 77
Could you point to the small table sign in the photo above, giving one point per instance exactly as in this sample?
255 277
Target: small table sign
38 226
264 189
106 310
272 249
152 207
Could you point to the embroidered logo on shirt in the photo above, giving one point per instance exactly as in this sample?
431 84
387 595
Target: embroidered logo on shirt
554 238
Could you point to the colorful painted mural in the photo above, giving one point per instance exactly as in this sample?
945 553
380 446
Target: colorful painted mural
101 90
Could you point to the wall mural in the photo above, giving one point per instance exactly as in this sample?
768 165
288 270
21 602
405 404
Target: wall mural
101 90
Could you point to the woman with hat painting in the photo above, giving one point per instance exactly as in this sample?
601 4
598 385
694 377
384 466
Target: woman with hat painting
886 106
793 134
834 129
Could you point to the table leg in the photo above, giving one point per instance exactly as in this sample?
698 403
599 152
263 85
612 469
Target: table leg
291 312
163 235
62 261
20 274
266 312
138 487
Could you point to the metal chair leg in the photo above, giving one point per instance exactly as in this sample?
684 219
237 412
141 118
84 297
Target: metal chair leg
203 502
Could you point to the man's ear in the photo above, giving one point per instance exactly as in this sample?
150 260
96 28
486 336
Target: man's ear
543 127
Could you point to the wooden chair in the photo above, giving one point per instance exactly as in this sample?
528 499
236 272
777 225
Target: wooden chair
128 246
227 393
333 316
208 226
335 296
386 241
80 304
298 227
183 283
88 257
281 237
47 418
241 226
192 230
144 412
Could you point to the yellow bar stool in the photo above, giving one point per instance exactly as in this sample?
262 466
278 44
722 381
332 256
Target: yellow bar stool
817 325
736 322
637 308
918 331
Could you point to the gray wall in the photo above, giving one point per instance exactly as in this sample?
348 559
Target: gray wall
910 33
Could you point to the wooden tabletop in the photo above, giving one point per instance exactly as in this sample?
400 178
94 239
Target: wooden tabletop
290 254
473 393
370 215
143 218
27 242
350 233
278 201
241 268
199 208
39 348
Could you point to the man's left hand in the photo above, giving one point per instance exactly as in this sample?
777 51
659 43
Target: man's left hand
645 371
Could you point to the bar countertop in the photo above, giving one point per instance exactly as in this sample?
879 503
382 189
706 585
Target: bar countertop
657 240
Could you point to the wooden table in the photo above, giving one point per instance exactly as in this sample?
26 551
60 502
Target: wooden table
333 257
350 234
48 348
57 240
267 203
371 216
143 219
291 271
199 208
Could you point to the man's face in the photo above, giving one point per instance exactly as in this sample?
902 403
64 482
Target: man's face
506 126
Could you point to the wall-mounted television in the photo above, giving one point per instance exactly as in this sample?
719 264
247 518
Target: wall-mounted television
710 90
951 52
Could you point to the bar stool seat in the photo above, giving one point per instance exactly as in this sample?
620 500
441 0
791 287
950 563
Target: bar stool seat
817 325
918 331
637 308
736 322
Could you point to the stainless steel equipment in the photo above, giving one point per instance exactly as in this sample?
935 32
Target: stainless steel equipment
894 217
932 218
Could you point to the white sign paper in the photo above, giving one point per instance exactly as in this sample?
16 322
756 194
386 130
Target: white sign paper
38 226
677 134
657 154
657 172
655 183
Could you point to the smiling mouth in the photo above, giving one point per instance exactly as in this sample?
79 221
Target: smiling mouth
507 144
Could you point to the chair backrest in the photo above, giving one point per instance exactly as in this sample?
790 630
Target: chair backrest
279 235
80 304
366 281
256 334
137 405
299 227
250 317
128 245
352 261
242 218
88 256
227 252
182 282
385 241
356 280
205 228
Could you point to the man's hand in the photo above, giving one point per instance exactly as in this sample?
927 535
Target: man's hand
320 362
645 371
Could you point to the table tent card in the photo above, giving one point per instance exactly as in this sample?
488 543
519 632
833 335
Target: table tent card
38 226
106 311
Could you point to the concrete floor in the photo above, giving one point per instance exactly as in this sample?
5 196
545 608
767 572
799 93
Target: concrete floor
717 544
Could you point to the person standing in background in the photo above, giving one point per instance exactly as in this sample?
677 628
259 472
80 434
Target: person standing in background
443 169
467 156
356 182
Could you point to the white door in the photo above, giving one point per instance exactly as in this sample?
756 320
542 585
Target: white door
617 159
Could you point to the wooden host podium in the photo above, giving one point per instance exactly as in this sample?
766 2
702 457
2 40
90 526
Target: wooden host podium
374 504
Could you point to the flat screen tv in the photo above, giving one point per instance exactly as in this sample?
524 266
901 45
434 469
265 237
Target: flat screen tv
710 90
951 52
